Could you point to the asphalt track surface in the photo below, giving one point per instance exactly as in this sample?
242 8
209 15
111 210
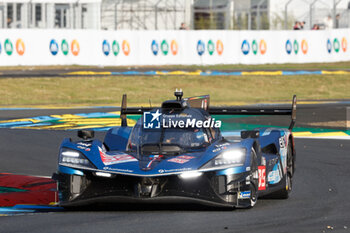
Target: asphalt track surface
29 72
318 202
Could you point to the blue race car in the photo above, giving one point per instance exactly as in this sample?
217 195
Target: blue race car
177 154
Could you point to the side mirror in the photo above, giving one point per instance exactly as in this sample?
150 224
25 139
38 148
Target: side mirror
250 134
86 134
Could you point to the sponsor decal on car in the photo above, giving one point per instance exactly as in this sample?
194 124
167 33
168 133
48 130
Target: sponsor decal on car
282 142
110 159
84 148
185 157
84 144
244 195
262 177
174 170
117 169
220 147
177 160
275 175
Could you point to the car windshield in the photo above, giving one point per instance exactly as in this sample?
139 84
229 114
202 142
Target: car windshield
185 138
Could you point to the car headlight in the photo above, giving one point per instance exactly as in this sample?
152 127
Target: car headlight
73 158
234 157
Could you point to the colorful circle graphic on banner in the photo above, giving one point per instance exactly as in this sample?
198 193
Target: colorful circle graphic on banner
164 47
106 48
115 48
53 47
20 47
245 47
296 46
262 47
304 46
329 46
126 47
200 47
65 47
75 48
336 45
174 47
210 47
154 47
289 47
8 47
219 47
254 47
344 44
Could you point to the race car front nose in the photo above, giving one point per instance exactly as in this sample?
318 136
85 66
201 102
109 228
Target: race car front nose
206 186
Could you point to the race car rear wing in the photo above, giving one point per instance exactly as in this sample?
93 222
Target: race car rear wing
258 111
219 110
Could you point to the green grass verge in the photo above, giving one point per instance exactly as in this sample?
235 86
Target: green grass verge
223 89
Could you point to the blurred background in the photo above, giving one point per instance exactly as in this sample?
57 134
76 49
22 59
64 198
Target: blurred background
175 14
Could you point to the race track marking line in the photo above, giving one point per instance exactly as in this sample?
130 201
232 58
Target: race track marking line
208 73
98 121
103 121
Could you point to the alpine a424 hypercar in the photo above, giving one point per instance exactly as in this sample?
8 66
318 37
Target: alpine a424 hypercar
176 153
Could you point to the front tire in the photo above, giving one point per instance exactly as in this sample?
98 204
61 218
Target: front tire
253 186
254 179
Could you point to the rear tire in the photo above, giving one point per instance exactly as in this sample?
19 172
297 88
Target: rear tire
287 179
